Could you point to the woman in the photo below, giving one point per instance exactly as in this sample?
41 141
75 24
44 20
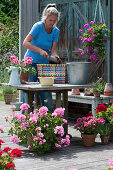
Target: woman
40 43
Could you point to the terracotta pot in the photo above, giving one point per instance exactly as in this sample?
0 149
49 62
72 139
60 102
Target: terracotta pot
96 93
88 140
108 91
75 92
104 139
24 77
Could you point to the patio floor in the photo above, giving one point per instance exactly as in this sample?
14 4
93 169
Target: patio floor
75 156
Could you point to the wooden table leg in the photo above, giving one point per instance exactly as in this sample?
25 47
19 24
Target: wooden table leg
65 105
94 106
36 99
29 100
58 99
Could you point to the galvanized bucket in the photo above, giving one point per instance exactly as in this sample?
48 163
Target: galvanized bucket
78 72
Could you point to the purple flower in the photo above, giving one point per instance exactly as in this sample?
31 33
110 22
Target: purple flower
93 36
96 58
95 52
92 22
88 50
91 57
86 25
85 40
80 50
105 39
89 39
90 32
82 53
80 30
89 29
80 37
101 23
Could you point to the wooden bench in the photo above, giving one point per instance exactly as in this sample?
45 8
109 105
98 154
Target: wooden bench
94 101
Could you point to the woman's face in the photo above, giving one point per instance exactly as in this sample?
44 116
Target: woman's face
51 20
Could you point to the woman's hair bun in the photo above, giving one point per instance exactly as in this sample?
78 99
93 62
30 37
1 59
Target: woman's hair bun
51 5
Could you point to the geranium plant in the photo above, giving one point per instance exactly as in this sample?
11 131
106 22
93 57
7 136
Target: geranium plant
23 65
88 125
105 112
94 39
110 164
44 128
7 156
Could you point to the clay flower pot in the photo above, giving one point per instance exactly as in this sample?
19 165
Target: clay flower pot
24 77
88 140
108 91
96 93
75 92
104 139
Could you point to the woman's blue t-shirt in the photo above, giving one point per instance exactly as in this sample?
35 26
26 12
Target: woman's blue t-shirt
42 40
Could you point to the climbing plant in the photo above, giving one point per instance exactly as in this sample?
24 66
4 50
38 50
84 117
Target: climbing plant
9 31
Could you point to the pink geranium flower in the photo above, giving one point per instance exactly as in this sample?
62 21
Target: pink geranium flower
14 139
1 128
13 107
6 117
59 111
24 106
57 145
111 162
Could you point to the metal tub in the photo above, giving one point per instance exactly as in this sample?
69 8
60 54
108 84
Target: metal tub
78 72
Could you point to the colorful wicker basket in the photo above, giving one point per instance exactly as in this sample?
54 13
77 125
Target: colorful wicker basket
58 71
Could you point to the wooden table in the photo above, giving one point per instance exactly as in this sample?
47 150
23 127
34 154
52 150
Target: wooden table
57 88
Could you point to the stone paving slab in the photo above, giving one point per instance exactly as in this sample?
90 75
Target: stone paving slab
74 156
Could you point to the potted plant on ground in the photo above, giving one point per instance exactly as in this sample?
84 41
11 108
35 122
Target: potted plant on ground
40 129
105 131
110 164
107 114
88 127
7 155
10 94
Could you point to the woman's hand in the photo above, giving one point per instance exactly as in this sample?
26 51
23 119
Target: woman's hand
58 58
44 53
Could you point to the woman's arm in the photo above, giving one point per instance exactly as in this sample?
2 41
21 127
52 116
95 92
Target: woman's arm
28 45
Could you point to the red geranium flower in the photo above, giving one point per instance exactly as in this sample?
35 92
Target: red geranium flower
7 149
10 165
16 153
1 152
1 141
89 114
100 108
